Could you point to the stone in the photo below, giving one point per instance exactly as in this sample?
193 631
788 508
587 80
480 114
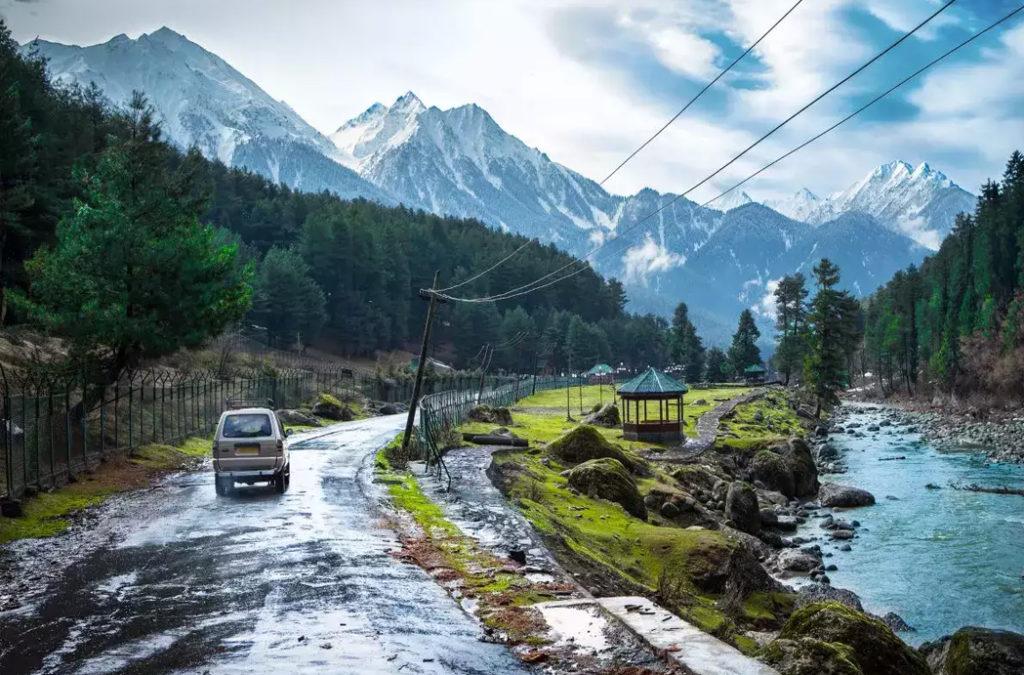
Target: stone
585 443
896 623
297 417
976 651
833 494
827 452
489 415
389 409
741 508
820 593
607 478
669 510
333 410
797 560
807 656
11 508
768 517
608 416
843 534
872 646
517 555
771 469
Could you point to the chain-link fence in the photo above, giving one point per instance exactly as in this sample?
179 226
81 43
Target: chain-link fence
54 427
441 412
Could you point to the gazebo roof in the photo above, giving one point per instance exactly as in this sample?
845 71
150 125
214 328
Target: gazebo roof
653 381
600 369
756 368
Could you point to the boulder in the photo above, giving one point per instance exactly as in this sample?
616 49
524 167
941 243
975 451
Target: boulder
801 462
820 592
489 415
896 623
390 409
976 651
833 494
297 417
607 416
872 646
807 656
827 452
771 469
796 560
741 508
333 410
585 443
607 478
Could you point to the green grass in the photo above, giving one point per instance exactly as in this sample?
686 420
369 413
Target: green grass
46 514
778 422
541 417
502 595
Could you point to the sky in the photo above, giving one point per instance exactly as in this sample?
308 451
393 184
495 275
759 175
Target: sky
587 81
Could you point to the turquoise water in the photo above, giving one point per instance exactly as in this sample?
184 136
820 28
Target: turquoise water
941 559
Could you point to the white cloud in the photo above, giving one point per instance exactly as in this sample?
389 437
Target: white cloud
765 306
650 257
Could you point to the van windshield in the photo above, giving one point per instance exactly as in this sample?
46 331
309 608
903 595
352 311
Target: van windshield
253 425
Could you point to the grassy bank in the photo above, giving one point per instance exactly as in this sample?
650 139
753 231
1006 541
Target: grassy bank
767 420
48 513
502 593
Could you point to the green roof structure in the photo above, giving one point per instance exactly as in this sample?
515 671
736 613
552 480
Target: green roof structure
600 369
755 369
653 381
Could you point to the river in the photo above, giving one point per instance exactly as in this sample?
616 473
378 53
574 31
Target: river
940 558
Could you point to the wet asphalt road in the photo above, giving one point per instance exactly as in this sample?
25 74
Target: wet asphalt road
179 580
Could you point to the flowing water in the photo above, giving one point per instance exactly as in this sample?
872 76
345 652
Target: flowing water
940 558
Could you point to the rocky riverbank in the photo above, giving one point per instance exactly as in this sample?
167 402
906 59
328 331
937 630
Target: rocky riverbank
999 433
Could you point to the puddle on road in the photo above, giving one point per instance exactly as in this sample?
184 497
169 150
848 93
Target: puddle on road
580 626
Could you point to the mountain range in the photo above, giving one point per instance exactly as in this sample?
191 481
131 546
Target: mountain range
461 162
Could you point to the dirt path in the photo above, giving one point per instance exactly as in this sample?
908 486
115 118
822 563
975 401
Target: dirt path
707 430
179 580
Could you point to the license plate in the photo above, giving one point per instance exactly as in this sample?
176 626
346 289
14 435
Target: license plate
247 450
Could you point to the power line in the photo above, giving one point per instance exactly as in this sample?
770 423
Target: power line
700 93
870 103
532 286
489 269
646 142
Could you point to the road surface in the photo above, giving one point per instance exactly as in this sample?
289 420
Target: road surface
179 580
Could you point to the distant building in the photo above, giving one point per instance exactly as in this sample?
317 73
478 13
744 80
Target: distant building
602 373
754 374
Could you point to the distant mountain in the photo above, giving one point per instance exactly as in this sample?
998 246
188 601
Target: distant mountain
461 162
203 101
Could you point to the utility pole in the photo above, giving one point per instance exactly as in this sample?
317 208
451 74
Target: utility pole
432 297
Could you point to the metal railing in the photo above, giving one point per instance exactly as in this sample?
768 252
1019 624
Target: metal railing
53 427
442 412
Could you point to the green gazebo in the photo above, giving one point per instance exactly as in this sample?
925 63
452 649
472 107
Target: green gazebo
754 373
640 422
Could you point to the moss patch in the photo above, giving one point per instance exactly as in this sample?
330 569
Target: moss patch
760 423
504 595
47 514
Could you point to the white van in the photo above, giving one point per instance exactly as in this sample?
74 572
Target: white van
249 447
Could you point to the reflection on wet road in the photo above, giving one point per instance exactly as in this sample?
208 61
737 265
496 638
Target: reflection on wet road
302 582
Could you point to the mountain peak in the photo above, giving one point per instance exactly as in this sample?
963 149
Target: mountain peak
408 102
165 33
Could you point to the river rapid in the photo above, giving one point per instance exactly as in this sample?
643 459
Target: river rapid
941 558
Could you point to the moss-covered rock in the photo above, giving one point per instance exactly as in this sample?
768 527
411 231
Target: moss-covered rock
771 469
801 464
976 651
607 478
585 443
606 416
807 656
874 648
489 415
741 508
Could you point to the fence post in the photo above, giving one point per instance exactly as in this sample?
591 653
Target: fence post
67 430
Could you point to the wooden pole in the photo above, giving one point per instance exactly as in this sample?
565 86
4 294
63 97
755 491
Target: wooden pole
431 296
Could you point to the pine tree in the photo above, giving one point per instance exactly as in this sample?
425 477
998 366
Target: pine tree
744 352
718 369
287 302
791 324
133 273
832 333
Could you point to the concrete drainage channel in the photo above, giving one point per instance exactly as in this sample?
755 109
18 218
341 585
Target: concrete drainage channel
598 631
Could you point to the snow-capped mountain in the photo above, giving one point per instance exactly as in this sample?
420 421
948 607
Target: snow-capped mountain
917 201
799 206
202 101
461 162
